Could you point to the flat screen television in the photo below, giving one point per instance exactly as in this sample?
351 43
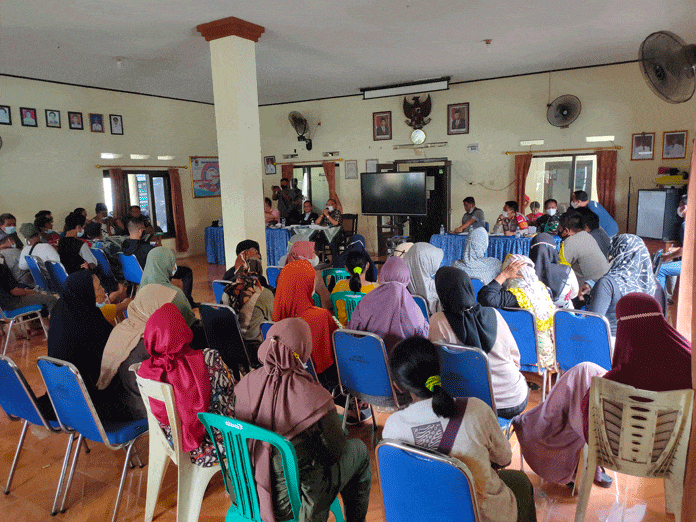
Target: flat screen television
393 193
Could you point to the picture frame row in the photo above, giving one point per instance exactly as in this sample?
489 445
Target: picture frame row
28 118
674 145
457 122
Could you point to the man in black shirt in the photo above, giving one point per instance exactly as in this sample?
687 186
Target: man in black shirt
12 297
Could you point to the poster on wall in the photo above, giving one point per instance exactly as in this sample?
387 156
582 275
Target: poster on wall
205 176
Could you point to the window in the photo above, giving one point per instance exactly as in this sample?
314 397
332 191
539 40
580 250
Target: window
151 192
312 181
558 176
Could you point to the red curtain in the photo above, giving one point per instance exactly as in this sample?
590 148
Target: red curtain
287 171
522 163
606 179
330 173
182 243
118 193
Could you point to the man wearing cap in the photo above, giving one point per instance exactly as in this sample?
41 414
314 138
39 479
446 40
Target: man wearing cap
8 224
10 255
42 251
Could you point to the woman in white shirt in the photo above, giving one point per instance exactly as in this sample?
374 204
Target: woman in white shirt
502 496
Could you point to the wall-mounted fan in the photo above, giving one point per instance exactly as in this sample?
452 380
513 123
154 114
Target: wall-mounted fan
563 111
299 123
668 65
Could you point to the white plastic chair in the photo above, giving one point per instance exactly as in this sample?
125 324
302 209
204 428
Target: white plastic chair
640 433
193 479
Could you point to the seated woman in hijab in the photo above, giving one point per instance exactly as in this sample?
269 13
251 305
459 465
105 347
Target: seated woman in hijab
559 279
159 269
630 271
282 397
305 250
478 441
423 260
293 298
649 355
518 286
356 243
252 302
200 379
474 261
466 322
389 310
357 265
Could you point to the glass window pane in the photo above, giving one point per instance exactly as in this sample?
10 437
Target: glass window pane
108 198
160 203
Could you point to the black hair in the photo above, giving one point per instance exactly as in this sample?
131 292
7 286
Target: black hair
412 362
268 200
284 179
79 210
135 223
356 259
512 205
246 245
4 217
72 221
132 207
469 200
571 221
550 200
534 204
42 213
99 207
682 201
581 195
42 221
589 219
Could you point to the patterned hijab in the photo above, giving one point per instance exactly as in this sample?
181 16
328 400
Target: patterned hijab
423 260
246 285
543 253
474 261
531 293
631 266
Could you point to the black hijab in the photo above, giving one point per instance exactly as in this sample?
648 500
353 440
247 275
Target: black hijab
543 253
474 325
78 330
69 252
356 242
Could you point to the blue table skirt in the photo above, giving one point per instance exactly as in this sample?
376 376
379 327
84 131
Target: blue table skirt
215 245
276 244
498 246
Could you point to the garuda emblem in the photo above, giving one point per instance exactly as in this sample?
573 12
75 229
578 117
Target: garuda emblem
417 112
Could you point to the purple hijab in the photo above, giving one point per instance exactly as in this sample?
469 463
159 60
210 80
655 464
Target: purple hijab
389 310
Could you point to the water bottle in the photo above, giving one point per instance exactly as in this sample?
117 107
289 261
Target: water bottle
442 230
282 222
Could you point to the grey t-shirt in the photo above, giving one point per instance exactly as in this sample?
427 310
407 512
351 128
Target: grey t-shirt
476 214
585 258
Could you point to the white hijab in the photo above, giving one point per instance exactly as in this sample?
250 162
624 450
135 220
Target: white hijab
423 260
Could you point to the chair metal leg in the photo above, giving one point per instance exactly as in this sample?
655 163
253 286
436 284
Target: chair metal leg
137 457
54 510
345 412
7 337
123 480
16 457
72 473
43 326
84 443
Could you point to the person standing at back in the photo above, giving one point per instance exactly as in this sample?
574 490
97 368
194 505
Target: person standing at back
579 199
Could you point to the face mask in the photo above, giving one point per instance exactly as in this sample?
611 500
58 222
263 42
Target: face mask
10 230
101 305
175 269
551 211
574 204
307 215
681 213
49 231
81 233
330 208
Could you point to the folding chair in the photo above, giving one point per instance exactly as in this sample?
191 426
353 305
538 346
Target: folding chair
272 273
266 325
477 284
103 262
640 433
415 480
74 409
225 335
422 304
132 271
20 316
238 472
56 275
363 370
37 274
465 373
219 286
349 299
331 276
581 337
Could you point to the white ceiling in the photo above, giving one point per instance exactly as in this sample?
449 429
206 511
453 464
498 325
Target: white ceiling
322 48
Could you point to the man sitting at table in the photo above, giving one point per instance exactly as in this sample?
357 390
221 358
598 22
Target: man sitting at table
271 214
473 217
579 198
580 250
309 215
510 220
331 216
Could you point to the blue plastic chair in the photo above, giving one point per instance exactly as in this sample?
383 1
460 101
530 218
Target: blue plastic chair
224 334
132 271
465 373
238 472
18 317
272 273
266 325
37 274
56 275
477 284
423 305
103 262
363 370
74 409
581 337
219 286
418 481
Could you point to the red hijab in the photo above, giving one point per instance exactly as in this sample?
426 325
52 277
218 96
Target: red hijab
167 339
293 298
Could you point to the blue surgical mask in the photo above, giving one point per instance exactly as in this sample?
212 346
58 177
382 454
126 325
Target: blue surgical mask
49 231
101 305
81 233
10 230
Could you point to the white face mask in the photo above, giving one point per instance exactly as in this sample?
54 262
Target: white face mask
574 204
681 213
551 211
10 230
101 305
175 269
330 208
81 233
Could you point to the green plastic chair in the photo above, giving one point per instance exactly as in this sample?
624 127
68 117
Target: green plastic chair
331 276
349 299
238 473
316 299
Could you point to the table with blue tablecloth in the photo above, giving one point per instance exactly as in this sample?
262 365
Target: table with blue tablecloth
276 245
498 246
215 245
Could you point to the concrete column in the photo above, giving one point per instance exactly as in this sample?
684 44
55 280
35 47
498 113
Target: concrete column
233 61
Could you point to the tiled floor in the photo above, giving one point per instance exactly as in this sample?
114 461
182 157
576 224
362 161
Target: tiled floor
96 481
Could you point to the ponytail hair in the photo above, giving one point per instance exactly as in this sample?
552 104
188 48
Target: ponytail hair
356 264
415 367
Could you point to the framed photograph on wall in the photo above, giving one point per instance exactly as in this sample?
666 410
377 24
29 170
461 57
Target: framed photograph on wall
352 169
5 115
269 164
371 165
28 117
96 122
116 124
458 118
643 146
52 118
674 144
381 126
75 121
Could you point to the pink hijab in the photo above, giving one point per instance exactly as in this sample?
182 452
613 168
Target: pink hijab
301 250
280 396
172 360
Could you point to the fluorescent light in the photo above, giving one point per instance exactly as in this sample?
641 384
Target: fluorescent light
436 84
110 155
592 139
531 142
165 158
140 156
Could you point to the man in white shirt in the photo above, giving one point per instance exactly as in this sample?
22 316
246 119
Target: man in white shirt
42 251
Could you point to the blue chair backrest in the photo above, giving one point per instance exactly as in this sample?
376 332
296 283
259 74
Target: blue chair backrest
265 326
219 286
132 271
464 372
414 480
70 398
581 337
272 273
16 397
477 284
102 261
423 305
361 360
522 324
57 274
36 273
